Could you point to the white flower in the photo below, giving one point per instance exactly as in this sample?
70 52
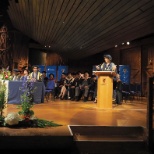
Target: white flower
12 119
33 117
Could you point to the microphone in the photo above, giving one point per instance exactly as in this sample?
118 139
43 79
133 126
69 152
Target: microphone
98 66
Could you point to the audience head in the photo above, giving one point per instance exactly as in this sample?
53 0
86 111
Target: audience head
16 71
63 75
26 71
51 76
35 68
44 73
86 74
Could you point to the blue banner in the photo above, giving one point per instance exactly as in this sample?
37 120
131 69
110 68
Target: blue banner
124 71
51 69
41 68
62 69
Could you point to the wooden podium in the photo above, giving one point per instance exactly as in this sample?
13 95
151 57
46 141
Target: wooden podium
104 89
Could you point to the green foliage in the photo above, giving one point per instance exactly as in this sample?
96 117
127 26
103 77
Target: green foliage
2 97
26 106
26 100
45 123
1 120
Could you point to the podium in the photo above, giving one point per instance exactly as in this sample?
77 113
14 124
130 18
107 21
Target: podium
104 89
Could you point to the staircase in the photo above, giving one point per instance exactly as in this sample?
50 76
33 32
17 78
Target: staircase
109 139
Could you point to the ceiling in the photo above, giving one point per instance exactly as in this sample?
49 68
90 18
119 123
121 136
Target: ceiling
81 28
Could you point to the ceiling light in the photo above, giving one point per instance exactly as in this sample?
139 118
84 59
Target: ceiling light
123 43
116 46
128 43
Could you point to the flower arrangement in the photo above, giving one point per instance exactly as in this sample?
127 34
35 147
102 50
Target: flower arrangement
12 119
5 74
25 117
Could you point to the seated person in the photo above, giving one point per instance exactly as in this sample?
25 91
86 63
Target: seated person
77 82
85 85
51 82
50 86
45 78
118 90
68 84
25 76
60 84
93 88
16 75
72 86
35 75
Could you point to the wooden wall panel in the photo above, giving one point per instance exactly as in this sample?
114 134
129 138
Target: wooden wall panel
5 48
20 50
132 57
37 57
147 66
55 59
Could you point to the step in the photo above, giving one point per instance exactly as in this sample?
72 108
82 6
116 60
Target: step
109 139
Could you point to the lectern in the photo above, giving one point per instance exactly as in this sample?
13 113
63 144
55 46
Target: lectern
104 89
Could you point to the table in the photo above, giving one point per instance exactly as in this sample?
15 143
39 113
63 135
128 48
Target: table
14 92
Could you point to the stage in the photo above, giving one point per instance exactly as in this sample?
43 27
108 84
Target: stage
67 112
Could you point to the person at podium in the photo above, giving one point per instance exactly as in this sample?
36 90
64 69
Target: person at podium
107 65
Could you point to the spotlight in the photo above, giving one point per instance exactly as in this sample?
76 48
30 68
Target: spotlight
123 43
116 46
128 43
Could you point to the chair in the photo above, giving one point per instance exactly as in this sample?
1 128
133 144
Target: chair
138 91
133 90
49 89
91 96
127 94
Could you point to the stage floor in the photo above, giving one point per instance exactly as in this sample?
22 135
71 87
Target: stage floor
67 112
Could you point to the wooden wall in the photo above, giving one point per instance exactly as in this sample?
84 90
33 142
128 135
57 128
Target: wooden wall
132 57
20 50
16 54
36 57
55 59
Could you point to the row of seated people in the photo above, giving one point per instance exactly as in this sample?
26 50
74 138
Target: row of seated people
72 86
21 75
